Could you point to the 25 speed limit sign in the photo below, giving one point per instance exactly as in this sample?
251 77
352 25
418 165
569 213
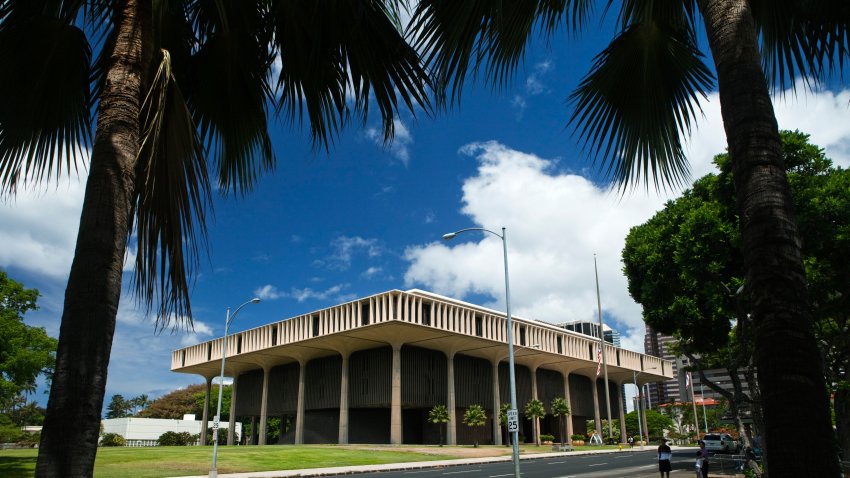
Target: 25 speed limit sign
513 421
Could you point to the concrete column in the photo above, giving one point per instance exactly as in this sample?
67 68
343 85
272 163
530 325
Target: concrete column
299 413
451 429
264 406
569 404
343 402
596 418
206 416
622 415
395 407
497 403
535 424
231 427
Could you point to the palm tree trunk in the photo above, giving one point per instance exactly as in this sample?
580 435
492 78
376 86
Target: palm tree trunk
790 372
71 426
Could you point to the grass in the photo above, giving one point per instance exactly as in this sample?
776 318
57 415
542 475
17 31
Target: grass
158 462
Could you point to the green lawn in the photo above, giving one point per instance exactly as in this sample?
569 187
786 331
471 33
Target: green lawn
180 461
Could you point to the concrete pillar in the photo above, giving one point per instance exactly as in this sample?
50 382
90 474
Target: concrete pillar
622 414
569 404
299 413
497 404
596 418
535 424
395 406
206 415
343 402
451 429
231 427
264 406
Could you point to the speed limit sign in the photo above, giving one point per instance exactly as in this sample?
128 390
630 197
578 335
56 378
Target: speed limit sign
513 421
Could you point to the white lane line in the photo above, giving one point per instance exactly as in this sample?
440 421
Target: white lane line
414 472
556 462
497 476
457 472
597 464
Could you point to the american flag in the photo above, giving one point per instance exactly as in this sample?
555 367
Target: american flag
599 360
687 380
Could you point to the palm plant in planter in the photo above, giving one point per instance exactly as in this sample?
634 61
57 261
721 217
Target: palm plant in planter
561 410
438 416
535 411
475 417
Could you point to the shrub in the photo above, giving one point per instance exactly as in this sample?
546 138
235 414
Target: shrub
112 439
176 439
577 437
545 437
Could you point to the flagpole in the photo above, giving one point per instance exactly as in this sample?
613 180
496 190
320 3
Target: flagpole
694 402
602 351
704 417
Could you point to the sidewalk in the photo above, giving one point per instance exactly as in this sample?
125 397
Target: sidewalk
390 467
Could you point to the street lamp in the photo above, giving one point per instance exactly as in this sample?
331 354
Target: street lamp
635 375
513 411
228 319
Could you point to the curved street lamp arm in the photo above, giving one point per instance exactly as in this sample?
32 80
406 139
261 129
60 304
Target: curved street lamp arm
452 235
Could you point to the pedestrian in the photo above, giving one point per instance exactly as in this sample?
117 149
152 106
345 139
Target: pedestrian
631 442
702 461
664 456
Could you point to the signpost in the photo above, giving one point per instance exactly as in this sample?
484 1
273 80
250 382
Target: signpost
513 421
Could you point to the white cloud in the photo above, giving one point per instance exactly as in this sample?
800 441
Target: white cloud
268 292
372 272
344 248
334 293
399 146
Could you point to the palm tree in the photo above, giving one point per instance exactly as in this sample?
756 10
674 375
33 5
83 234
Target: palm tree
174 83
503 422
633 108
535 411
475 417
439 416
561 409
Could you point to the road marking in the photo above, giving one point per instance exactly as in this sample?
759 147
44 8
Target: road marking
598 464
556 462
456 472
497 476
422 471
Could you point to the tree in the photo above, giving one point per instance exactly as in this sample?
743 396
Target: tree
656 423
535 411
157 87
119 407
25 351
561 410
682 269
439 416
474 416
139 403
503 422
631 112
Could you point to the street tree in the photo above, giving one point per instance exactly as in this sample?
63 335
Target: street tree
561 410
182 93
631 112
535 411
475 417
439 416
503 422
119 407
25 351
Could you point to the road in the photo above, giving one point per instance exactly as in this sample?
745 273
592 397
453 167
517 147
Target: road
630 464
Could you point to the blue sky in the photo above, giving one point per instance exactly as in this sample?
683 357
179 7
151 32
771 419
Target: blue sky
365 218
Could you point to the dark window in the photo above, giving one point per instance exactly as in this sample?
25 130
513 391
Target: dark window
315 325
183 359
364 313
274 336
239 344
479 326
560 345
426 314
209 351
522 335
590 351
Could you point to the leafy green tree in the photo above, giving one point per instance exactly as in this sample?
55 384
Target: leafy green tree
25 351
176 439
119 407
439 416
656 423
535 411
112 439
174 84
631 112
561 410
475 417
503 422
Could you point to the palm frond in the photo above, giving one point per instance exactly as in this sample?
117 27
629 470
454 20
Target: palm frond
336 56
44 97
172 195
459 38
802 39
228 81
638 100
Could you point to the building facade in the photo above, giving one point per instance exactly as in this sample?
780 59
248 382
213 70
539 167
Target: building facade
370 370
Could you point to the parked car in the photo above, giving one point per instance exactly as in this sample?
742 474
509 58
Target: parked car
720 443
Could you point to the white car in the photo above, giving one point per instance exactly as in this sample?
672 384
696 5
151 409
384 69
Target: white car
720 443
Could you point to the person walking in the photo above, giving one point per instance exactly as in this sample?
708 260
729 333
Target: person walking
702 461
665 454
631 442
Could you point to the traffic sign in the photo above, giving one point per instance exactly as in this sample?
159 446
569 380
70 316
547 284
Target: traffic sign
513 421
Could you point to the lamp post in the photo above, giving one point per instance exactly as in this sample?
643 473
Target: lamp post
513 411
228 319
635 375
